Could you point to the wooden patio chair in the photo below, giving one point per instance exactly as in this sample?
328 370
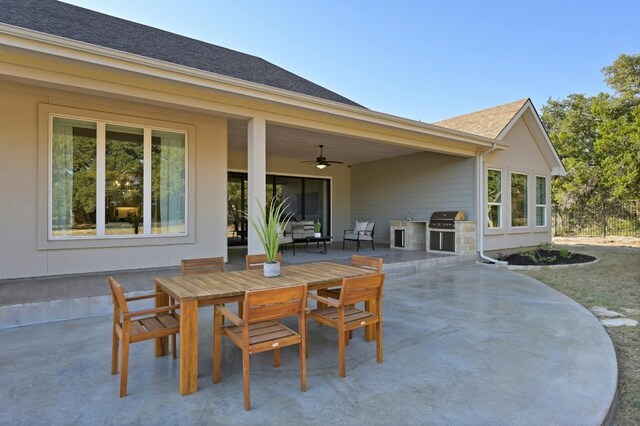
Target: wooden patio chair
256 261
373 263
136 326
205 265
344 316
260 330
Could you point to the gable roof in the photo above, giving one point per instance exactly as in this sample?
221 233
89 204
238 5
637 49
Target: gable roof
488 122
84 25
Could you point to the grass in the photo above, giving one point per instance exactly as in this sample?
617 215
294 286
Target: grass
614 282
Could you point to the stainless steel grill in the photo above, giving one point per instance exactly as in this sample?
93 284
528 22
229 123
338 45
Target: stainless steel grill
442 230
445 220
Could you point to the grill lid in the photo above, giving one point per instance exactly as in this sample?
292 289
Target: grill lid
447 216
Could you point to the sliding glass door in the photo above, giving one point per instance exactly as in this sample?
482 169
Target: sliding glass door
236 204
306 198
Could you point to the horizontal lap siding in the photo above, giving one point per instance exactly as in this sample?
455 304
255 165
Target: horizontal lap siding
419 183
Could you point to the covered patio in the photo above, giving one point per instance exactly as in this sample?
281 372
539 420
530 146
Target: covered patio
487 332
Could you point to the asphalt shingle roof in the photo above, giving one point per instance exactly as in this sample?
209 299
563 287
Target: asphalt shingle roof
487 122
76 23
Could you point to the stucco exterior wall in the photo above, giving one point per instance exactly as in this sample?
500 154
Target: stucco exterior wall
523 156
340 176
421 183
20 173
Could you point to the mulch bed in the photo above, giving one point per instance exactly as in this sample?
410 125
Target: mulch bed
547 256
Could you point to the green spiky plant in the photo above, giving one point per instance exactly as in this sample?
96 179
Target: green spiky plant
270 226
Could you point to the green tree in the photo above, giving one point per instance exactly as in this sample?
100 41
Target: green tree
598 139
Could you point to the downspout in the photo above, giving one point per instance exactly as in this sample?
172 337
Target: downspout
481 205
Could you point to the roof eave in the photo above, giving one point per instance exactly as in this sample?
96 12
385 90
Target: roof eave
50 44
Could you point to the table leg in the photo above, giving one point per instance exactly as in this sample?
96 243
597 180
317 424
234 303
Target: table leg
161 343
188 347
370 330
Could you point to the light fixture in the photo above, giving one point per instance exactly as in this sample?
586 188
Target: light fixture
321 166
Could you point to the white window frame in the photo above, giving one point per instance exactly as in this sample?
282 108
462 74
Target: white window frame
45 238
489 204
546 203
527 209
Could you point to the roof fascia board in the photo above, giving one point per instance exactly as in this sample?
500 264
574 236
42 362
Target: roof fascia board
513 120
59 46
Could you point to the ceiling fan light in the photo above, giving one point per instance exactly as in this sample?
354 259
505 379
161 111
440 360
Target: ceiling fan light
321 166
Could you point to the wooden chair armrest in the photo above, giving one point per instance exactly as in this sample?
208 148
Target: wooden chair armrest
144 296
230 315
329 302
150 311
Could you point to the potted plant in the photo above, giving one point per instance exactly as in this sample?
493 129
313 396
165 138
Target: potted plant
270 227
317 226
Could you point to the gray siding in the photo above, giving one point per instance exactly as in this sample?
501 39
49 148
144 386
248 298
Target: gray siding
420 183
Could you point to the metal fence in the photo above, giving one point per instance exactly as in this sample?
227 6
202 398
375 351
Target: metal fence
619 218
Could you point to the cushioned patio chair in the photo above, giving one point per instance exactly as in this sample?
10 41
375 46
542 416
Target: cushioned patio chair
260 330
363 231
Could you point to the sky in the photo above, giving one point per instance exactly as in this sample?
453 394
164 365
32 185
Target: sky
423 60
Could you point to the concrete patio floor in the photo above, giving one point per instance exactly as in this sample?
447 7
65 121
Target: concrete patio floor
464 345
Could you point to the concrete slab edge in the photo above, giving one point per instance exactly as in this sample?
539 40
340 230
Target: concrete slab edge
422 264
60 310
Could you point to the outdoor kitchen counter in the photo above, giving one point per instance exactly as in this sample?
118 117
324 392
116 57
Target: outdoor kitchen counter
414 234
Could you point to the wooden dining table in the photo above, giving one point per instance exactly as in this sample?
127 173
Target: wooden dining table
194 291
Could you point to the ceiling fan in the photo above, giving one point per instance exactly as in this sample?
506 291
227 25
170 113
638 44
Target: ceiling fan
321 162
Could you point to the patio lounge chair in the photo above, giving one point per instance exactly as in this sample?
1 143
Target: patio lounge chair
344 316
363 231
259 330
131 327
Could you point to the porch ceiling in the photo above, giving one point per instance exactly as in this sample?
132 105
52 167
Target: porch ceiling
302 144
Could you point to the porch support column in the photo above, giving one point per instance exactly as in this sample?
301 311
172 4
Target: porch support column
257 165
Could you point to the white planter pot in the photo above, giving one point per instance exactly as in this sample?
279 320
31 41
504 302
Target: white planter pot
317 234
271 269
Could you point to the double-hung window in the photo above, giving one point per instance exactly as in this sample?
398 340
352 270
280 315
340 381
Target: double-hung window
111 180
519 200
494 198
541 201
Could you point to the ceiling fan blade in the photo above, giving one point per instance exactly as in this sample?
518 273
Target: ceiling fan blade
334 162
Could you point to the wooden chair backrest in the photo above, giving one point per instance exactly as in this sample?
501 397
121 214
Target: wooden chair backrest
361 289
205 265
117 296
256 261
263 305
374 263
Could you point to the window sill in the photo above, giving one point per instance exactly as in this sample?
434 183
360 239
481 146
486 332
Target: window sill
109 242
519 230
494 231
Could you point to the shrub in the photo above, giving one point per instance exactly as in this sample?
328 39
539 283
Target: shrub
564 253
